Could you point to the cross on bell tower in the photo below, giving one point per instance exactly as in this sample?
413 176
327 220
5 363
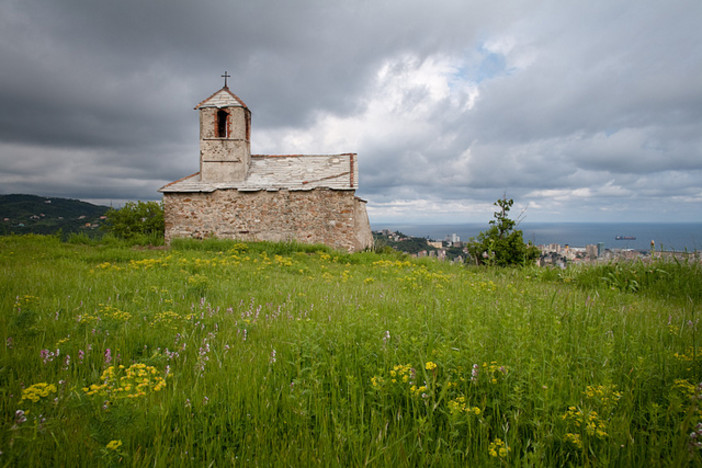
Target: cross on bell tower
225 76
225 129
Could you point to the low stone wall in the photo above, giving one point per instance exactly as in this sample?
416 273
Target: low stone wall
332 217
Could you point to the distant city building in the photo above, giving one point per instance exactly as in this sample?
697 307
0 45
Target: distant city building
453 238
591 251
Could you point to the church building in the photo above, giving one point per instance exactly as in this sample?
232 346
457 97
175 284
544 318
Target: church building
257 197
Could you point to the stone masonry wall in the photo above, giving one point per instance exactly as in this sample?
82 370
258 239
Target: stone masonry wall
224 159
332 217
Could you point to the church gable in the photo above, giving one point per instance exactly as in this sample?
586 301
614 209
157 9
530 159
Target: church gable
222 98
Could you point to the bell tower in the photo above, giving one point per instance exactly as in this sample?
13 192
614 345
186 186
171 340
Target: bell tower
225 131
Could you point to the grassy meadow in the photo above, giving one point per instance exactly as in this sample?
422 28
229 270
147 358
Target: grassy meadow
223 353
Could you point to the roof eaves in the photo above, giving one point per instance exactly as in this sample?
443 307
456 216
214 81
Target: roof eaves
352 155
226 89
179 180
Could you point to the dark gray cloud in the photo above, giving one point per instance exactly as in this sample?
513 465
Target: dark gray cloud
579 111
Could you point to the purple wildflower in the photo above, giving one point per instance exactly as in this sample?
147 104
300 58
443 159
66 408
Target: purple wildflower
474 373
20 417
696 436
48 356
202 357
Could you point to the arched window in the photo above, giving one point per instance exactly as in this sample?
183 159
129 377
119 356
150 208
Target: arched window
222 116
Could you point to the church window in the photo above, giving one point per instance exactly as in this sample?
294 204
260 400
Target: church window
222 117
248 126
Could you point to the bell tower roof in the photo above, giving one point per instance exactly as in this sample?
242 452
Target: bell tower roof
222 98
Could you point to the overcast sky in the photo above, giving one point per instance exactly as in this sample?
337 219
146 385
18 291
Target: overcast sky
580 111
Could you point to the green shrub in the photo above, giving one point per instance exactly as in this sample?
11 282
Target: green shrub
502 244
142 221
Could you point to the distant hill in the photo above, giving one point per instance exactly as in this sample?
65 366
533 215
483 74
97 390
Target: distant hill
25 214
402 242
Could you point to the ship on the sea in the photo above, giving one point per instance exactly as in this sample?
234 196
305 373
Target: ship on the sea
625 238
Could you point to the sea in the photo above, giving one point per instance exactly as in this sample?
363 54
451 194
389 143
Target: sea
635 236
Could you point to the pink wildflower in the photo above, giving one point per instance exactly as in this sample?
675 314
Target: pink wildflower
20 417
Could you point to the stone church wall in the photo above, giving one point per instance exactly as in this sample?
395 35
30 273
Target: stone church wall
332 217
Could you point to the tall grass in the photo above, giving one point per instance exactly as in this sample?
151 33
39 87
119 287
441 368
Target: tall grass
280 354
662 279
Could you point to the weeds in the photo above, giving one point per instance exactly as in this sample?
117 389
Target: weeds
222 352
666 280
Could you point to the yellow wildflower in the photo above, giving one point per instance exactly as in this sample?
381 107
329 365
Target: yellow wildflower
574 439
38 391
113 445
128 382
498 448
458 405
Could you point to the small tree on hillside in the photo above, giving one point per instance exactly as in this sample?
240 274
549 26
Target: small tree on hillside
502 244
136 219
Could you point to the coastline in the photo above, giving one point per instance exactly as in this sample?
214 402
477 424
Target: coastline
667 236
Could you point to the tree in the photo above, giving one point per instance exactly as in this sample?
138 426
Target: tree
502 244
136 219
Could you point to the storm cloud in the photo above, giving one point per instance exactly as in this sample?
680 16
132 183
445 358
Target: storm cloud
580 111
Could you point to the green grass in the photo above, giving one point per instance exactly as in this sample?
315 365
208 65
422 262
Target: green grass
672 280
286 354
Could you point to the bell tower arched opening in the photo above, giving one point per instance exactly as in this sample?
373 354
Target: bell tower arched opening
222 125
